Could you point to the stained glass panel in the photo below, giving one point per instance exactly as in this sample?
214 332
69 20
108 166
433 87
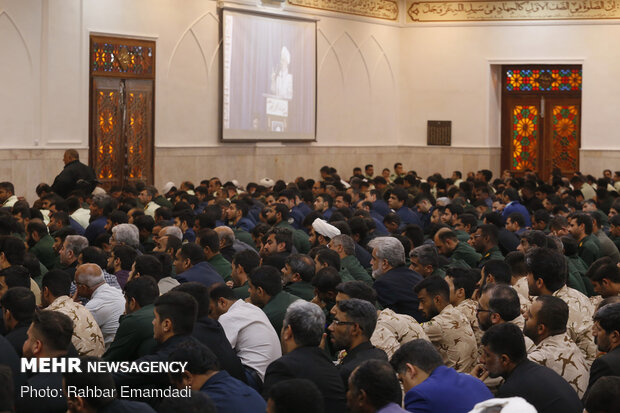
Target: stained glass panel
107 130
139 98
108 57
525 131
565 142
543 80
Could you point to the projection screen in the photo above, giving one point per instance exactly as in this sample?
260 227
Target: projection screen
269 78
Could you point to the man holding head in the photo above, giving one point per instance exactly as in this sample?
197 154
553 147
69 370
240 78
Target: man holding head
446 327
302 331
431 386
106 303
87 337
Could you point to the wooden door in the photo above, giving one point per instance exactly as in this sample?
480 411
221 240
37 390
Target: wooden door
122 110
541 119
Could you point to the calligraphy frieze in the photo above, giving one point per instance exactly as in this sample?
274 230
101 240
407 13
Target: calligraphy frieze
446 11
382 9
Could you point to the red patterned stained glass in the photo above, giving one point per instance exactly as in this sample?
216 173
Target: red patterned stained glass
565 130
138 128
525 130
546 80
108 57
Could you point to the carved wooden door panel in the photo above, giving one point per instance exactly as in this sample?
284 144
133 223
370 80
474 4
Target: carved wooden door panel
122 110
541 119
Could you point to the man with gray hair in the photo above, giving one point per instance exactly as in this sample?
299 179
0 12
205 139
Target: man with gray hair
302 331
171 231
125 234
70 251
297 275
353 323
425 261
345 247
106 303
394 281
229 244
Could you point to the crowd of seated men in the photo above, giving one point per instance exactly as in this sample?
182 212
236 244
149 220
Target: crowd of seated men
385 293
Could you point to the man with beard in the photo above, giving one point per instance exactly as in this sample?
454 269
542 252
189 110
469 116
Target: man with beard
545 324
447 328
351 328
607 337
393 280
277 216
277 246
448 245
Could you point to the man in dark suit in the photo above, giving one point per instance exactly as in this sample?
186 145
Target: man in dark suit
353 323
394 281
427 381
75 175
607 337
303 359
504 355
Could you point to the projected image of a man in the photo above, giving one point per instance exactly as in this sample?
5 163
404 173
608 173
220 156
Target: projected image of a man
282 81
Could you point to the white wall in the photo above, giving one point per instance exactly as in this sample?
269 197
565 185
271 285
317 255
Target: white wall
378 84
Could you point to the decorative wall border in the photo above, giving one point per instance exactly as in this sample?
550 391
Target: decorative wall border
380 9
458 11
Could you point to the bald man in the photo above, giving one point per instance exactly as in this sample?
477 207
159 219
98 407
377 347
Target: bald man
75 175
106 303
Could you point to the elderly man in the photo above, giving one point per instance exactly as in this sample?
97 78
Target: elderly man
125 234
393 280
87 337
302 331
70 251
106 303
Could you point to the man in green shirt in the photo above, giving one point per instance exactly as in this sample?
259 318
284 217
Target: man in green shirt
244 262
266 293
580 227
134 337
484 241
210 243
297 275
277 216
42 244
345 247
329 258
449 246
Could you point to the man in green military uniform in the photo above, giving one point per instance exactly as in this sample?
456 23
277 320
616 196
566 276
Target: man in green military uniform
580 227
345 247
266 292
297 276
244 262
329 258
448 245
134 337
277 216
484 241
210 243
42 244
425 261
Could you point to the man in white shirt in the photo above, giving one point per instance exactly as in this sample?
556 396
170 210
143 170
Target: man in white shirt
106 303
7 195
248 329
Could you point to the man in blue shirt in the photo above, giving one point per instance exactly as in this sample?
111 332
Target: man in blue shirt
431 386
202 373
